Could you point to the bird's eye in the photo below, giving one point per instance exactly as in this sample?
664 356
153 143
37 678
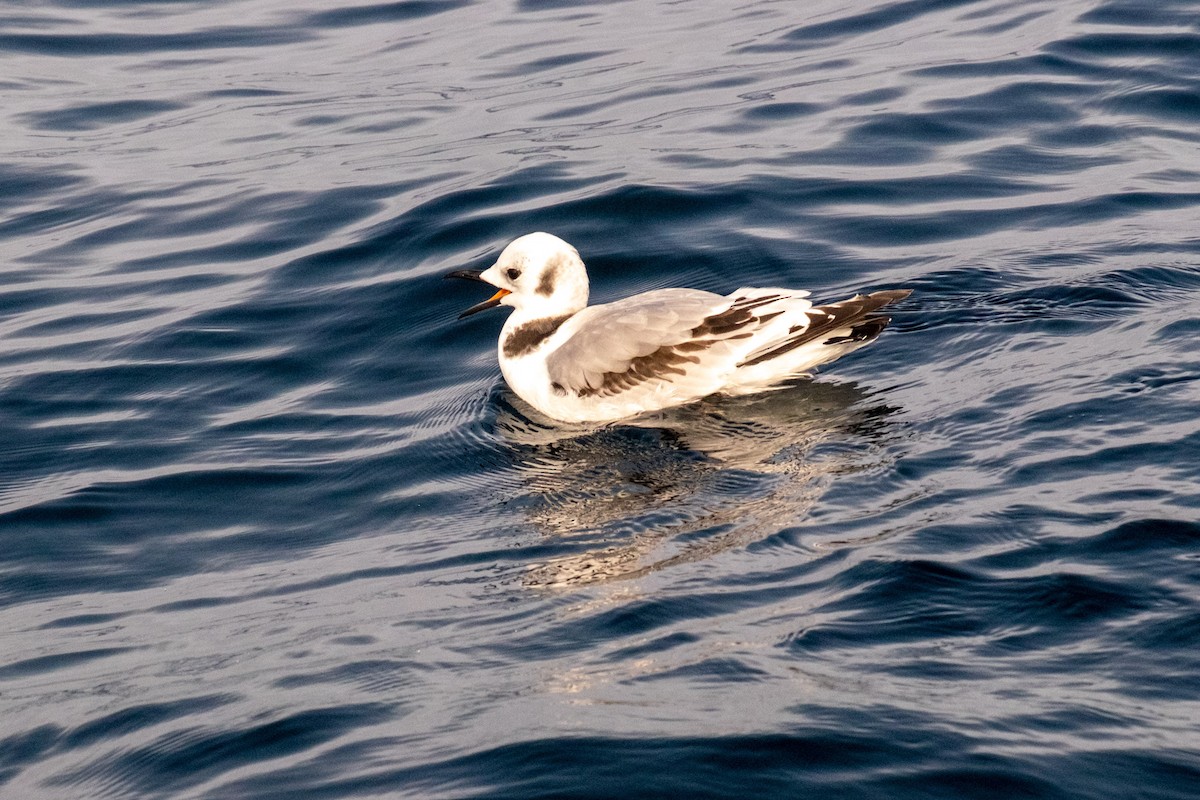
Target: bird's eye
513 273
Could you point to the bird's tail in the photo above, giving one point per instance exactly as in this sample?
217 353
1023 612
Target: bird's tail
805 335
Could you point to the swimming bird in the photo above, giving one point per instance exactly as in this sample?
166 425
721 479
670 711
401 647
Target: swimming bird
666 347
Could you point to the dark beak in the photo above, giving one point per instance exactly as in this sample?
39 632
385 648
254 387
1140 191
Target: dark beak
491 302
466 274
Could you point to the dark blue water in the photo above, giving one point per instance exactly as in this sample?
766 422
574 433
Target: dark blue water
271 526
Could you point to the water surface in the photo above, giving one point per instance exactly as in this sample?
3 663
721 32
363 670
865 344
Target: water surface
273 526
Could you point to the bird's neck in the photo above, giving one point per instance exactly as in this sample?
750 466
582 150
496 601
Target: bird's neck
524 335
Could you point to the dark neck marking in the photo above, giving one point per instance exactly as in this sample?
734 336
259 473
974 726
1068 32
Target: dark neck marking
526 338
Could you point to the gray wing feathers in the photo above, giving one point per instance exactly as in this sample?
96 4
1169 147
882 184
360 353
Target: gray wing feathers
614 347
682 340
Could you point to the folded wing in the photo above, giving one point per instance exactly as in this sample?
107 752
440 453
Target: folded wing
676 340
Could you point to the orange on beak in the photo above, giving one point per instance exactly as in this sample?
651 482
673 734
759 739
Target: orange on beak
491 302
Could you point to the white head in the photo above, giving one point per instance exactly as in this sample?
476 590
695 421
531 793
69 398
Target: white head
539 275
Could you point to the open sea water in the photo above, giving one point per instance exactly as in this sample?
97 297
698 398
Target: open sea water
271 525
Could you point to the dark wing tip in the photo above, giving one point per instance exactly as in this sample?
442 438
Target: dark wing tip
855 314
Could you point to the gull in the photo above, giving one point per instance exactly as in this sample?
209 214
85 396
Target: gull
578 363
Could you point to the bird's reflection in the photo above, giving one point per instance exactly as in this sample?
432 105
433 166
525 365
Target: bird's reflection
687 483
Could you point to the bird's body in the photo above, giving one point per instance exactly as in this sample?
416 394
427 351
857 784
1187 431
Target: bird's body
580 363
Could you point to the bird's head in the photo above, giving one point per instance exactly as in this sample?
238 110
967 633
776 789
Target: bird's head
538 274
